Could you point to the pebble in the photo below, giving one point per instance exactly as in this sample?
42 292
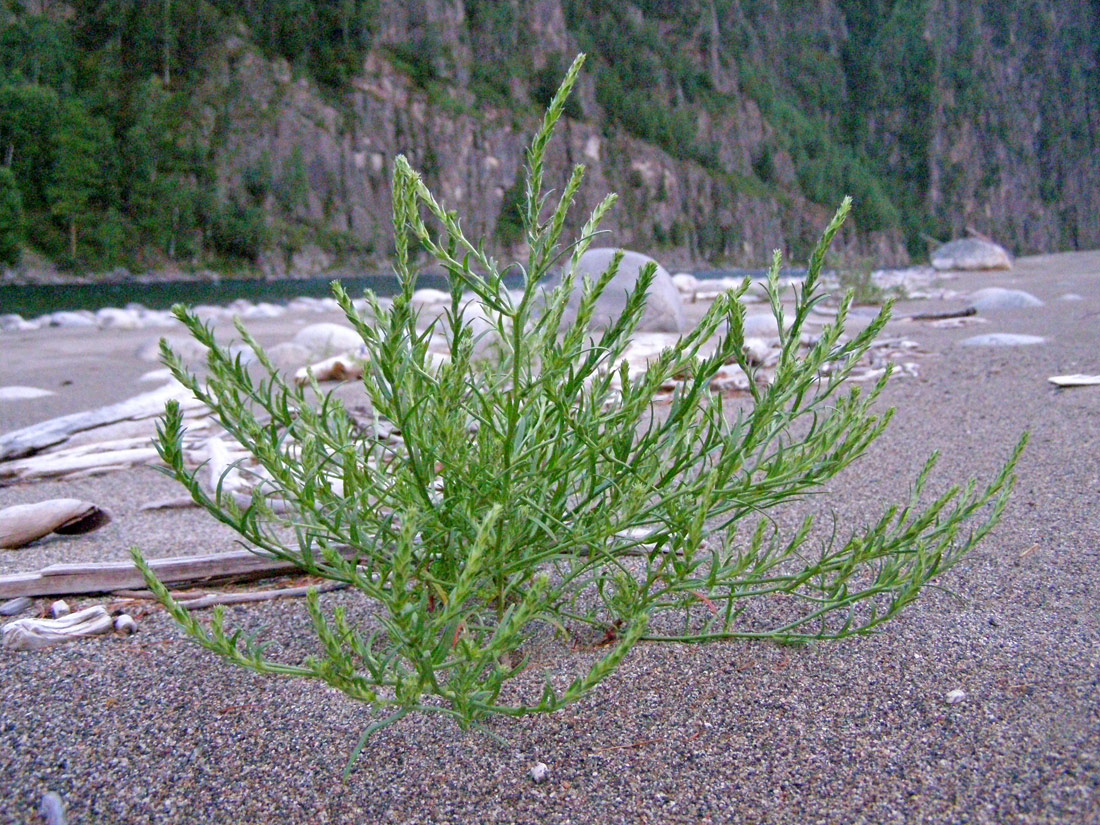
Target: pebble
955 696
126 624
60 608
52 809
540 772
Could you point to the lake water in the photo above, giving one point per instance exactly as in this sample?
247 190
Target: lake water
32 301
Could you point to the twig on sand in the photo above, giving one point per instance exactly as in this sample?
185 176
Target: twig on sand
965 312
257 596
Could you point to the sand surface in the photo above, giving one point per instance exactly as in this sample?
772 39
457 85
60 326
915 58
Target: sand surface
151 728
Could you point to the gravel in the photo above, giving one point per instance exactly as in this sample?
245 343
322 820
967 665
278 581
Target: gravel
150 728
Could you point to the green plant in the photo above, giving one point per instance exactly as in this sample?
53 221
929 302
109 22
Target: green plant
855 277
541 489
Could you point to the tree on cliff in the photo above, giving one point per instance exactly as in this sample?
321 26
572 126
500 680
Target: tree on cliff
78 174
11 218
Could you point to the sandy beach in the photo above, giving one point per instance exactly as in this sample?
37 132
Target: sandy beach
152 729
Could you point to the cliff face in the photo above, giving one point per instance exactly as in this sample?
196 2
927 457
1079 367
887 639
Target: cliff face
1016 122
971 117
728 128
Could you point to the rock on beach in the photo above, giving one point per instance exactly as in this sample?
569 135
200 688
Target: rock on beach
664 309
970 254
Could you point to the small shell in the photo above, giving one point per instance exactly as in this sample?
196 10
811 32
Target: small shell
539 772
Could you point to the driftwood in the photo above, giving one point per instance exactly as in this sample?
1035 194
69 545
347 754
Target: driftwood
256 596
37 437
15 606
24 523
33 634
104 577
1077 380
174 503
85 462
965 312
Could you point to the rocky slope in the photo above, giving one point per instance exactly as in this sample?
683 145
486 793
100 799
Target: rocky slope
727 127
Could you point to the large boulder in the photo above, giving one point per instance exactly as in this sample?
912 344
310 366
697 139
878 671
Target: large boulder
328 339
994 298
664 308
971 254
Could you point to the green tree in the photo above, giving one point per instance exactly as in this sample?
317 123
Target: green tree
11 218
29 118
78 173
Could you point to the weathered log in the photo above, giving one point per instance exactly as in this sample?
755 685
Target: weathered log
53 466
1077 380
174 503
37 437
104 577
257 596
23 523
33 634
15 606
965 312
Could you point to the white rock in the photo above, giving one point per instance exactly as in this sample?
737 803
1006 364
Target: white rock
81 318
1070 296
158 318
186 347
52 809
125 624
761 325
429 297
159 376
18 393
540 772
759 352
664 308
1002 339
971 254
955 696
264 310
995 298
207 313
327 339
305 304
288 355
687 283
16 323
60 608
112 318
